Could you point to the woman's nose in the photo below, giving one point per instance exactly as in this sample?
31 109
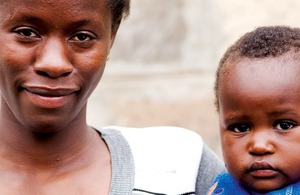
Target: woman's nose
261 143
53 59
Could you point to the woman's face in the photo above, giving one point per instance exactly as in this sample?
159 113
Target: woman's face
260 122
52 56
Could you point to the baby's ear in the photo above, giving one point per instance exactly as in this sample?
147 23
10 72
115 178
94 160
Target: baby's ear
212 188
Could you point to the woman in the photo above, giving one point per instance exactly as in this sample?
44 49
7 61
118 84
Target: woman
52 56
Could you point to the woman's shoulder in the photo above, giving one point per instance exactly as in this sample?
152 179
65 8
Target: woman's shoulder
163 156
164 142
152 144
178 136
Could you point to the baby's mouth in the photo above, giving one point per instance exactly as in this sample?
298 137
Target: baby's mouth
262 169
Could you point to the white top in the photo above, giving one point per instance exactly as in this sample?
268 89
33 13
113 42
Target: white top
155 160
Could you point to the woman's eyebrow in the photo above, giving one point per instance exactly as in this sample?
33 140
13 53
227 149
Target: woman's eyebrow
25 17
40 22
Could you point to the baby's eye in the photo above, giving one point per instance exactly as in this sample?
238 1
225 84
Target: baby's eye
284 125
239 128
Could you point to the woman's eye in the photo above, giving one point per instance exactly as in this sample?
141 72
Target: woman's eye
27 33
284 125
82 37
239 128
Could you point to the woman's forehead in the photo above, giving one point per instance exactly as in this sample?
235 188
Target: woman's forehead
67 4
62 8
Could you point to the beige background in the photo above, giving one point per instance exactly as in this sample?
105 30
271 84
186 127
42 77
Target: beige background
162 65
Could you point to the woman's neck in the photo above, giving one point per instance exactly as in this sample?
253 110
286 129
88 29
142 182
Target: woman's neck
44 150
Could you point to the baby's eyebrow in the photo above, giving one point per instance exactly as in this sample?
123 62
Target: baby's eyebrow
235 118
282 112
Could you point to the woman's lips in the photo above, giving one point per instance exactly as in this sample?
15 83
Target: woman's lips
51 91
46 97
263 170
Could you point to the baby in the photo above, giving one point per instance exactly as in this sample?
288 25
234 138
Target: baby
258 99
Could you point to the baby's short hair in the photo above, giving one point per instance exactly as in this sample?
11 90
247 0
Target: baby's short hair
267 41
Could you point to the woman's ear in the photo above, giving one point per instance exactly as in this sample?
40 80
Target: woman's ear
114 30
112 38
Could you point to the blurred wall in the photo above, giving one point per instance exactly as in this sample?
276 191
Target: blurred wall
161 70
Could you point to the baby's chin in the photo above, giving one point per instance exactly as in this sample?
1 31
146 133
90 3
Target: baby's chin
265 186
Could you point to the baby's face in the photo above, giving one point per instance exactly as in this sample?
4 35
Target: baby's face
259 122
